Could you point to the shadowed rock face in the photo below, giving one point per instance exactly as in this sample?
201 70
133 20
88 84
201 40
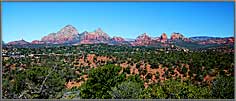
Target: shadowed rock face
66 34
231 40
163 37
19 42
175 36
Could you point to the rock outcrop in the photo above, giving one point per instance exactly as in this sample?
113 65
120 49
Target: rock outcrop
175 36
142 40
98 36
163 37
118 39
37 42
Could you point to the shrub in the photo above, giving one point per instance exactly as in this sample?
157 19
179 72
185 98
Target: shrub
126 90
175 89
223 87
100 80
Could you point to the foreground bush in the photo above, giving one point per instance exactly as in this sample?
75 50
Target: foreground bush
35 83
126 90
100 81
223 87
175 89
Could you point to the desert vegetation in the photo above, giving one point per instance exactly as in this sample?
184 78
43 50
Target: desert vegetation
100 71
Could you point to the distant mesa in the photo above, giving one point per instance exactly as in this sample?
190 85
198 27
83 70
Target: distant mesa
19 42
202 38
227 40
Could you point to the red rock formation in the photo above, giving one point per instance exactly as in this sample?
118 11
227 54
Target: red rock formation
157 39
37 42
142 40
163 37
68 33
86 42
175 36
118 39
90 57
72 84
98 36
231 40
209 78
19 42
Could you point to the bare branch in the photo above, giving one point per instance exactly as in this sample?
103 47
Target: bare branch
24 92
41 87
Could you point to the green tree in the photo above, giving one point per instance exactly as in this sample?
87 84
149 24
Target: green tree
175 89
223 87
186 90
100 81
126 90
37 82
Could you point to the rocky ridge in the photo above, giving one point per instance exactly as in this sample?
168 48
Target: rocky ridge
69 34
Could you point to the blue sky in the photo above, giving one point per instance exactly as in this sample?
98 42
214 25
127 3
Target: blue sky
33 20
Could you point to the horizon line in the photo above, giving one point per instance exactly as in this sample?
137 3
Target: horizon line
133 38
168 37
